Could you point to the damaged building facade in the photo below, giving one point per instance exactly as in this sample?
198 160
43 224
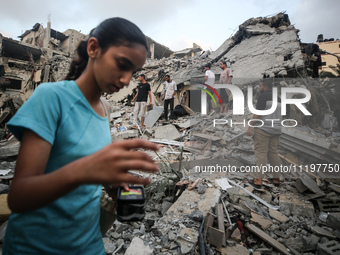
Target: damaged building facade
192 208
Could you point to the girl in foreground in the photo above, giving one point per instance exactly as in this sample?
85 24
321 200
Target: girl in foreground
66 151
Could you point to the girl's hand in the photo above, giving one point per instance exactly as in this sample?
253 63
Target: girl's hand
110 165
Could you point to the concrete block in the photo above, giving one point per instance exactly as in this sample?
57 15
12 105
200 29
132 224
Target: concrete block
333 220
329 248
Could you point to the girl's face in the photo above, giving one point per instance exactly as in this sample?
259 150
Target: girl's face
114 69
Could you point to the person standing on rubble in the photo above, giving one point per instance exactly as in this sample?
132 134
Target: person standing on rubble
142 97
225 78
210 80
170 90
66 151
267 136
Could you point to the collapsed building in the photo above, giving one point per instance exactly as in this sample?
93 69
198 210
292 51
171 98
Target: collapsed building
192 207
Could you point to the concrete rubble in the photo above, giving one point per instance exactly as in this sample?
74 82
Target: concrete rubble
192 209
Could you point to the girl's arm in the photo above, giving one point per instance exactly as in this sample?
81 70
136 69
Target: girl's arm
32 189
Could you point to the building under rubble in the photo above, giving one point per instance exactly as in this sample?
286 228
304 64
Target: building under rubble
300 216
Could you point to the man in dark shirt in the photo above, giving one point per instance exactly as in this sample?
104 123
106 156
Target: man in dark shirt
142 97
267 134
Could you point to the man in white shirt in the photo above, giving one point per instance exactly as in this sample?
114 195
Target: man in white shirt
210 80
169 94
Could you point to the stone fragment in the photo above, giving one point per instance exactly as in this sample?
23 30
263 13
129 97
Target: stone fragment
187 239
120 227
153 116
201 188
297 206
236 235
172 236
108 245
4 188
137 247
197 215
333 220
278 216
322 232
262 221
236 250
165 206
167 132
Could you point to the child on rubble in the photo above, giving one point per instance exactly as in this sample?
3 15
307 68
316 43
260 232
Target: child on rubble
66 151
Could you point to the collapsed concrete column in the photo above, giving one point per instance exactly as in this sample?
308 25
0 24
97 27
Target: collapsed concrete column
152 50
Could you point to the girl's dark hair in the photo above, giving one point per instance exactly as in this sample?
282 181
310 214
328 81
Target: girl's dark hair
111 32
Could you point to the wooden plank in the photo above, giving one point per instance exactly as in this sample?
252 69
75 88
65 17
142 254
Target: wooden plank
280 247
220 221
208 223
215 237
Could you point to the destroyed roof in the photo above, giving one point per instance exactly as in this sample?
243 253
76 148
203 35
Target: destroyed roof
54 33
58 35
14 49
160 50
187 50
35 28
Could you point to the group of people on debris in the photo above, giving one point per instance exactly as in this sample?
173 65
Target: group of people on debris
66 154
170 90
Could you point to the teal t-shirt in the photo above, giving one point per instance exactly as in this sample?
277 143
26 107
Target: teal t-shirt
60 114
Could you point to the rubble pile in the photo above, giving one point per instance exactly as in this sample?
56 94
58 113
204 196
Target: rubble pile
192 208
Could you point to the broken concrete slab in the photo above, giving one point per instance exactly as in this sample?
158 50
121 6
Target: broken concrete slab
206 136
167 142
300 186
109 246
188 123
167 132
257 209
260 29
236 235
236 250
152 116
322 232
183 206
333 221
9 149
296 206
115 115
137 247
278 216
334 187
311 185
187 239
262 221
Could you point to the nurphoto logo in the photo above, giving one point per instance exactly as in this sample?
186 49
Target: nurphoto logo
238 100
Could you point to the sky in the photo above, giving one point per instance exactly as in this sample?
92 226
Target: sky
176 24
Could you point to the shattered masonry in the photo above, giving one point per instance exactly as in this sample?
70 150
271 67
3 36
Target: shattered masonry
188 210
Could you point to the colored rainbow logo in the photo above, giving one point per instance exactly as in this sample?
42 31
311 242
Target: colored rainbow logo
131 192
213 90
